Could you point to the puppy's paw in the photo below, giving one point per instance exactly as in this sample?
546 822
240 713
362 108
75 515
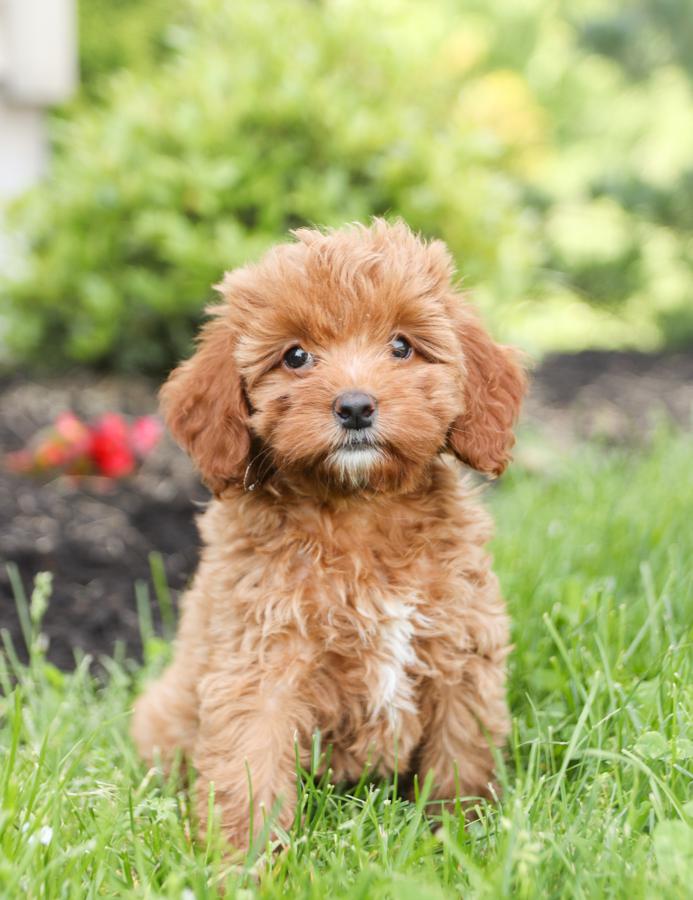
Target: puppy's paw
162 726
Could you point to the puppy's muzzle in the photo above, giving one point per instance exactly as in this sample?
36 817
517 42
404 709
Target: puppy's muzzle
354 410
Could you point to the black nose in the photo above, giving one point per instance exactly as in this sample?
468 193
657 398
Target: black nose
354 409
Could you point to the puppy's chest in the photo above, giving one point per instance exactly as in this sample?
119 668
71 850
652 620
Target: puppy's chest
375 633
367 615
390 673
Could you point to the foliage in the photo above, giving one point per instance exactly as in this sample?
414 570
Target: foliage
551 174
594 557
118 34
643 36
257 125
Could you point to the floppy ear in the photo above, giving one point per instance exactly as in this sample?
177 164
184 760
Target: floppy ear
203 404
494 385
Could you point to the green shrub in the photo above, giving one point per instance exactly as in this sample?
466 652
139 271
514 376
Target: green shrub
561 186
119 34
270 115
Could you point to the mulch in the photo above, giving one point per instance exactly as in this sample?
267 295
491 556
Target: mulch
96 537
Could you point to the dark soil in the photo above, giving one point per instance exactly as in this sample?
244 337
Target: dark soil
97 538
621 397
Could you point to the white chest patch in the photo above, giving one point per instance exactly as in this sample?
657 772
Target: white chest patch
393 692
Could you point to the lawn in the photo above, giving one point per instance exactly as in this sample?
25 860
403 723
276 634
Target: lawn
594 553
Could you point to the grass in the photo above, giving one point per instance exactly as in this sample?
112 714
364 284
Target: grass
595 559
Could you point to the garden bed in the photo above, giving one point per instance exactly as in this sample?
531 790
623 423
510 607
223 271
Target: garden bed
96 537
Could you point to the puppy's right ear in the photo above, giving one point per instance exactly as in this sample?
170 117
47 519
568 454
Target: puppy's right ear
204 407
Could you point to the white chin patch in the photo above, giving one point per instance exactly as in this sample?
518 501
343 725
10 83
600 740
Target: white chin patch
353 465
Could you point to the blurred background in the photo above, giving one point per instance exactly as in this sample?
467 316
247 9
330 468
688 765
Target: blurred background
148 145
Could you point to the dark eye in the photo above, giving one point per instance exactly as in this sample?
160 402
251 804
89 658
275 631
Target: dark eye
401 348
297 358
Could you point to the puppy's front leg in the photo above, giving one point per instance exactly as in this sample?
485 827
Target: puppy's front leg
465 720
245 747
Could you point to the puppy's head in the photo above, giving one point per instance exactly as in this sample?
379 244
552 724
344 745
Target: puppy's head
345 360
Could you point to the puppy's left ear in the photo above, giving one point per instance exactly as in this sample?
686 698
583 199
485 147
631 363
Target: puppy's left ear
205 409
494 385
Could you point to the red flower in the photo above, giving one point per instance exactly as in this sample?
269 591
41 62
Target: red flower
110 446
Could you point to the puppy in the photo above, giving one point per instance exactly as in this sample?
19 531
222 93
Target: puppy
343 585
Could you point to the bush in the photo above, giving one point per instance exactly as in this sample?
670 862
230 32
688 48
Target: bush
548 173
119 34
270 115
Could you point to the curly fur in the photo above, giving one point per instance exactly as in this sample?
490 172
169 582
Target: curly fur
348 591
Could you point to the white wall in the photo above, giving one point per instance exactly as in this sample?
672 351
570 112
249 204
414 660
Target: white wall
38 68
23 148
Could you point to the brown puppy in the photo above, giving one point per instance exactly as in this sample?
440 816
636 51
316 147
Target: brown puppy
343 584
